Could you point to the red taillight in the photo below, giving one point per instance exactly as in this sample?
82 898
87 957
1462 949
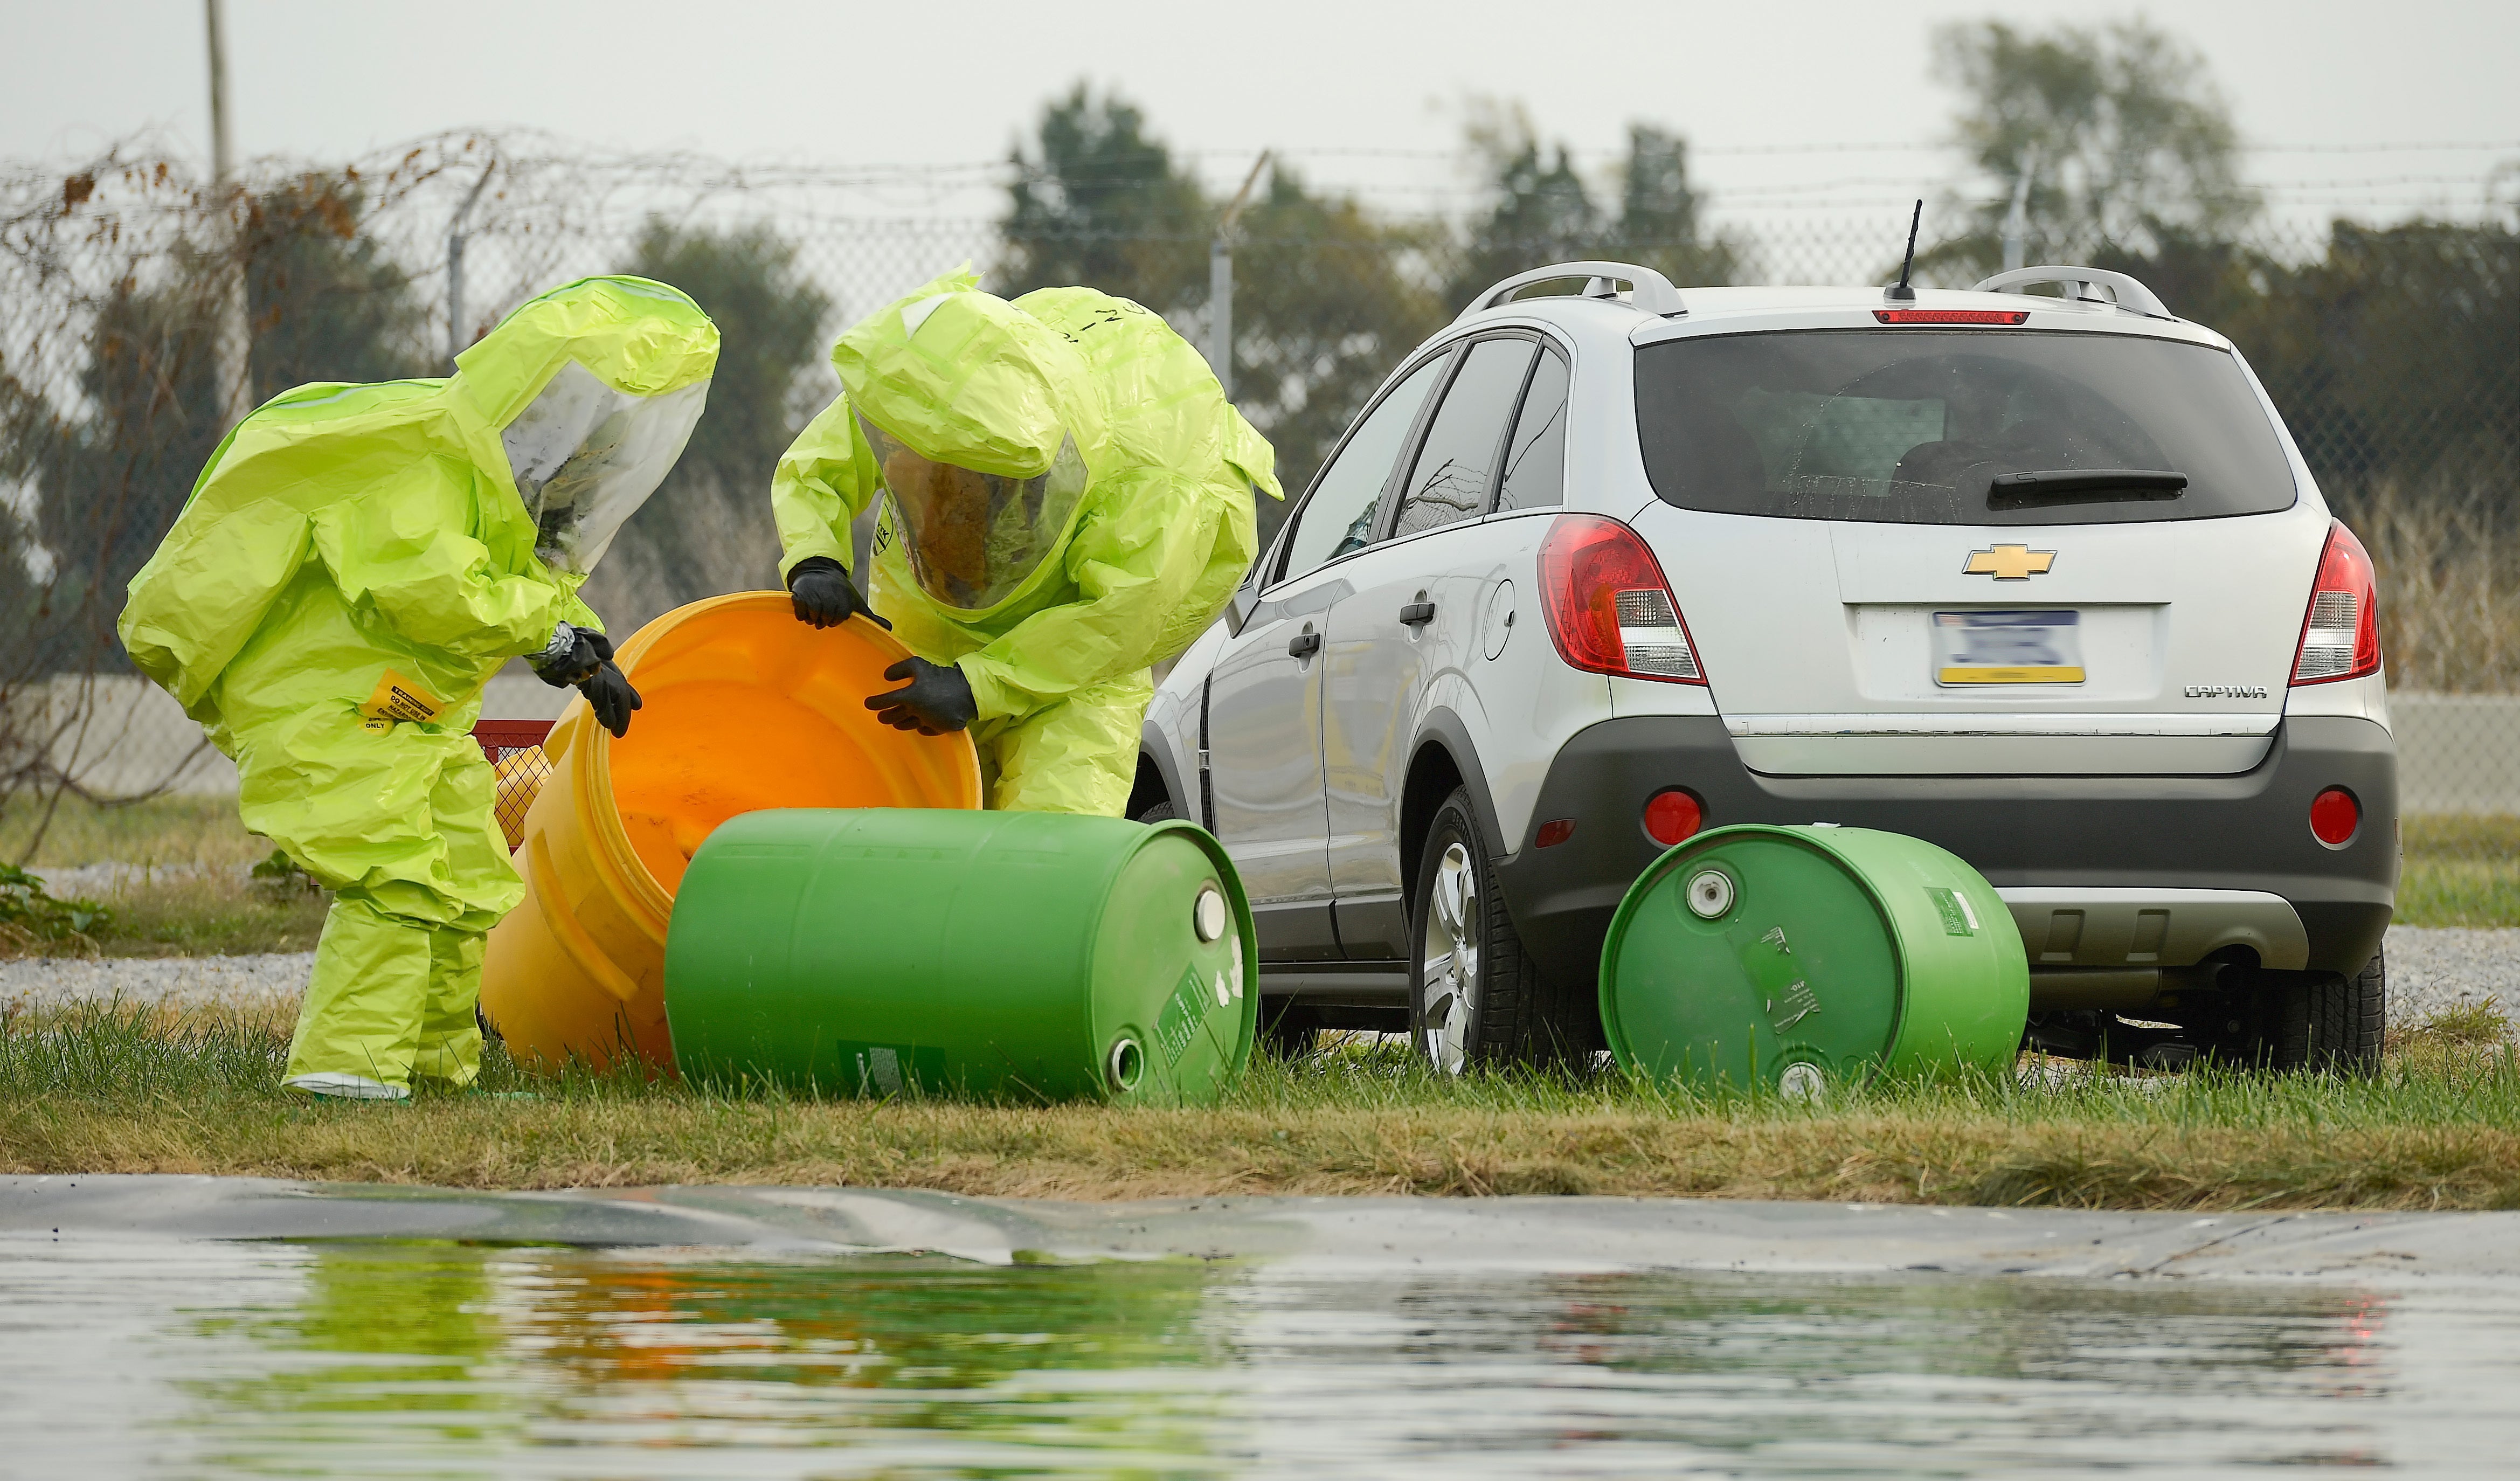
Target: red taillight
1952 315
1671 816
1554 832
2340 635
1609 609
2334 815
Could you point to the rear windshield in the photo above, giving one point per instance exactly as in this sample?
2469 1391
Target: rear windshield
1926 426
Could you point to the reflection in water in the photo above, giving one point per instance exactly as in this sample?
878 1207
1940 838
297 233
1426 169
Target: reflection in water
439 1360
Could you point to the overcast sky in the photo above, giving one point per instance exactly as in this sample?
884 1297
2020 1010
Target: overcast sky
837 83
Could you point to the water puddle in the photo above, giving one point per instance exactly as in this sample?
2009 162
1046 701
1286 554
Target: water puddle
154 1356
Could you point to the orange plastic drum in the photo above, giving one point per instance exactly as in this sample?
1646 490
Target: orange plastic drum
746 708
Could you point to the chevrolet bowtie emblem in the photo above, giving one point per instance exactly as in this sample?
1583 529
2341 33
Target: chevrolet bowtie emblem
2010 562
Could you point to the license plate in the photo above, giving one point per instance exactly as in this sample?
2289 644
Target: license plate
2007 648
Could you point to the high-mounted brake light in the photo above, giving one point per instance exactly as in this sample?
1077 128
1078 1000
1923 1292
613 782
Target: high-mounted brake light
2340 636
1952 315
1609 609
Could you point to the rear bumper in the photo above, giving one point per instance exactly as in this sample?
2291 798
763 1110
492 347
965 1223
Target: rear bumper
2042 838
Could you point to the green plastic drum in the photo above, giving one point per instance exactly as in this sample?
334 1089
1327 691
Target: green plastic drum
1022 955
1802 958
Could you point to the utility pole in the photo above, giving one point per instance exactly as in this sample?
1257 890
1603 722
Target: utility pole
231 338
455 265
1220 283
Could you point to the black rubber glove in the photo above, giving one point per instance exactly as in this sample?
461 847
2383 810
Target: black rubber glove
937 698
574 654
609 694
824 595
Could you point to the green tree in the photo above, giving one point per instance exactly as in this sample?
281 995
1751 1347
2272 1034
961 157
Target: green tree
2117 130
322 303
109 482
1102 206
22 593
1541 210
1658 225
2391 356
322 300
708 530
1323 310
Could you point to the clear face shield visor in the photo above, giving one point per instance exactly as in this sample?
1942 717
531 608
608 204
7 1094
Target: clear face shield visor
587 456
974 538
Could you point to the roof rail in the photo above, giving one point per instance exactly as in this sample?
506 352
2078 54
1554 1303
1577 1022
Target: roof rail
2082 285
1650 291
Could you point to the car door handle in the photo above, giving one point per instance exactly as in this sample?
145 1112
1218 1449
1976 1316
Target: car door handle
1305 645
1418 614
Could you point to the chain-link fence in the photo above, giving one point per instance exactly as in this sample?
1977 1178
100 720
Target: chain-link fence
2394 352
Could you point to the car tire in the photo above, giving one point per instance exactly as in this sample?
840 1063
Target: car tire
1161 811
1475 996
2335 1022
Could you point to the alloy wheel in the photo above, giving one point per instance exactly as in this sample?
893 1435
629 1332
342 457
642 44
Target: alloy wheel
1449 961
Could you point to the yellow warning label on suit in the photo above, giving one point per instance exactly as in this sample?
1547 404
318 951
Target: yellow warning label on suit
400 698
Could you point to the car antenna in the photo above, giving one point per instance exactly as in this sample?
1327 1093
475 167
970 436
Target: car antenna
1899 292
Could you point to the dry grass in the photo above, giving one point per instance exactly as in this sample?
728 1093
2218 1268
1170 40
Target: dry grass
130 1091
2449 569
212 915
219 914
203 905
159 830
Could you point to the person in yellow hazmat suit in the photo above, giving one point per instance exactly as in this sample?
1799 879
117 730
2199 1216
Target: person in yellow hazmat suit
1067 499
353 564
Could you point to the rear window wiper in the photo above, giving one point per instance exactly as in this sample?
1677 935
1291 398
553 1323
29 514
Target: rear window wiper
2068 482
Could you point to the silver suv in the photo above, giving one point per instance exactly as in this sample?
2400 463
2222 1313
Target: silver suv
2034 571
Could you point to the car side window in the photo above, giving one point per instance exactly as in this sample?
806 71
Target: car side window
1457 464
1535 465
1338 516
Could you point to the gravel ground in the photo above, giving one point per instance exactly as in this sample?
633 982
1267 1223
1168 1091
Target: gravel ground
2433 968
47 981
2430 969
96 882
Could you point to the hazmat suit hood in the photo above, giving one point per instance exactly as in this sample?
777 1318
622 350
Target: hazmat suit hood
981 428
342 530
1163 535
594 390
965 378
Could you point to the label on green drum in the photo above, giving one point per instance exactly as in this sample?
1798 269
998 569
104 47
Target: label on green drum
1184 1014
1957 918
888 1069
1767 957
1791 1007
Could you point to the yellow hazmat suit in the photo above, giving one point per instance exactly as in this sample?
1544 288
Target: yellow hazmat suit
1117 522
355 563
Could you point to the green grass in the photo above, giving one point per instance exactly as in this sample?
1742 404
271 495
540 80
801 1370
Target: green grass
120 1089
2460 871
